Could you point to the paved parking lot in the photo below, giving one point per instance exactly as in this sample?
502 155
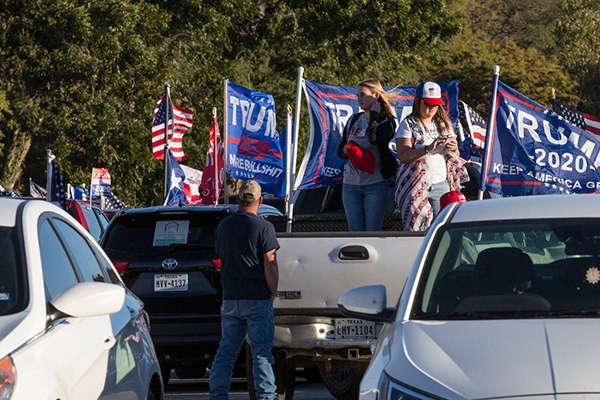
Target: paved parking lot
197 389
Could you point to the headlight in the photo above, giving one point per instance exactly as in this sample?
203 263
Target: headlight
7 378
390 390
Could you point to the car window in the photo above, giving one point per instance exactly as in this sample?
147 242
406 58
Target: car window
13 277
102 218
110 272
82 253
512 269
135 238
93 223
56 266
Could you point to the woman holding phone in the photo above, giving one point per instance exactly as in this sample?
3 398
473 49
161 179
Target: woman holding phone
365 144
428 153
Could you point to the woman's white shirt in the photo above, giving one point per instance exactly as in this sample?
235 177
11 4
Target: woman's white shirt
434 161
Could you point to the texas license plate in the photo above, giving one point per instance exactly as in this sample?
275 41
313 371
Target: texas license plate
171 283
354 329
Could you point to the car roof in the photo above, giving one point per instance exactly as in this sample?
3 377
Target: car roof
529 207
264 209
9 206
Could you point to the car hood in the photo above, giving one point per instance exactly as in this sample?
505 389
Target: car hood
498 358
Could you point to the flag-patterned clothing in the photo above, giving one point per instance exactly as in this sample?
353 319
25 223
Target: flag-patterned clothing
183 121
587 122
412 182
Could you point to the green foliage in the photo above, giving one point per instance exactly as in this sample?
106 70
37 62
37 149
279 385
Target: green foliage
82 77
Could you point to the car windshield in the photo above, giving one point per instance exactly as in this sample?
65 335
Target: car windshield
13 278
512 269
143 237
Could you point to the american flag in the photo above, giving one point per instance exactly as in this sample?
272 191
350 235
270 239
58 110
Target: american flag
183 121
112 202
57 188
475 124
587 122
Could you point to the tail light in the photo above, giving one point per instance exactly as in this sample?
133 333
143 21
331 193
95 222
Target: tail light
120 265
217 264
7 377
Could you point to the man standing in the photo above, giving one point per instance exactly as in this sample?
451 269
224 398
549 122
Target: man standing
249 276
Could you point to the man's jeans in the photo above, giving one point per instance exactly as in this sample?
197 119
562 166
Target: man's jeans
239 317
365 205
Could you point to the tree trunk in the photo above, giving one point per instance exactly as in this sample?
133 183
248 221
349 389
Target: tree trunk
14 156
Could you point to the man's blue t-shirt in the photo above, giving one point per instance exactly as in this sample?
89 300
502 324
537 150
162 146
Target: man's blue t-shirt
241 241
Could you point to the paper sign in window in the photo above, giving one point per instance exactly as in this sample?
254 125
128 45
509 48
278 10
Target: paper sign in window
169 232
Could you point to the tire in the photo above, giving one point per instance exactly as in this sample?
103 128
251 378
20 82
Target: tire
191 373
285 379
165 371
345 382
150 395
312 375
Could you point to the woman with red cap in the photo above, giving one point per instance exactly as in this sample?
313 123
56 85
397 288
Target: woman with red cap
365 144
428 154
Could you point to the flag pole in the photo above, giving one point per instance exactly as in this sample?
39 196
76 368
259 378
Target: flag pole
553 94
289 206
299 83
488 135
91 186
48 174
216 158
166 148
224 139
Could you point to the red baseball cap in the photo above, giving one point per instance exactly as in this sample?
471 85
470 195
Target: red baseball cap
454 196
430 93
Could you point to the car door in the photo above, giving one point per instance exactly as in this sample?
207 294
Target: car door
124 376
73 352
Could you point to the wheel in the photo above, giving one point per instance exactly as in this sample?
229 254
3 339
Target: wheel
165 371
191 373
285 379
344 384
312 375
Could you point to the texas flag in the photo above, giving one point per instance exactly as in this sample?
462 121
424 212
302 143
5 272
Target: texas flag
192 185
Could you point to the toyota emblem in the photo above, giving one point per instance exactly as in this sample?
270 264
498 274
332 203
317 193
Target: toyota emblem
169 264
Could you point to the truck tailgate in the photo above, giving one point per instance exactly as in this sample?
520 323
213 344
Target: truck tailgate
316 269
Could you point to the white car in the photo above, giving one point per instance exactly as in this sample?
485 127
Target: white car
503 301
69 329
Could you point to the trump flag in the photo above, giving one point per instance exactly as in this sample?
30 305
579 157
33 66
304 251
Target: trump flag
330 108
533 150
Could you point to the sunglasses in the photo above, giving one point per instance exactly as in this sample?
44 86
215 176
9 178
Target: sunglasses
429 106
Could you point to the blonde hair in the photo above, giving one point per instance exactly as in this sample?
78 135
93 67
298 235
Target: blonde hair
385 98
440 117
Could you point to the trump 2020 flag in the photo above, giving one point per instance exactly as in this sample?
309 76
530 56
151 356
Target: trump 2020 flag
211 187
330 108
100 182
534 151
175 180
253 144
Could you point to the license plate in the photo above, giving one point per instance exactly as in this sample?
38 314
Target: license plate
171 283
354 329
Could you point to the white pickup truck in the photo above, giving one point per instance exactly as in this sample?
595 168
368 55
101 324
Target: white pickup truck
315 269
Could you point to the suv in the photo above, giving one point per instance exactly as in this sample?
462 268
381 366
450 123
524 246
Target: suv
166 256
89 216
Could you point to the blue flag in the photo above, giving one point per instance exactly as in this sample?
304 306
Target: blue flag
534 151
330 108
254 148
176 176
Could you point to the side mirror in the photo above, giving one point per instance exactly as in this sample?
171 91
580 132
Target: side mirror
88 299
368 303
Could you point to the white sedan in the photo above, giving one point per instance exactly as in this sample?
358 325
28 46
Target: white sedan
503 301
69 329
